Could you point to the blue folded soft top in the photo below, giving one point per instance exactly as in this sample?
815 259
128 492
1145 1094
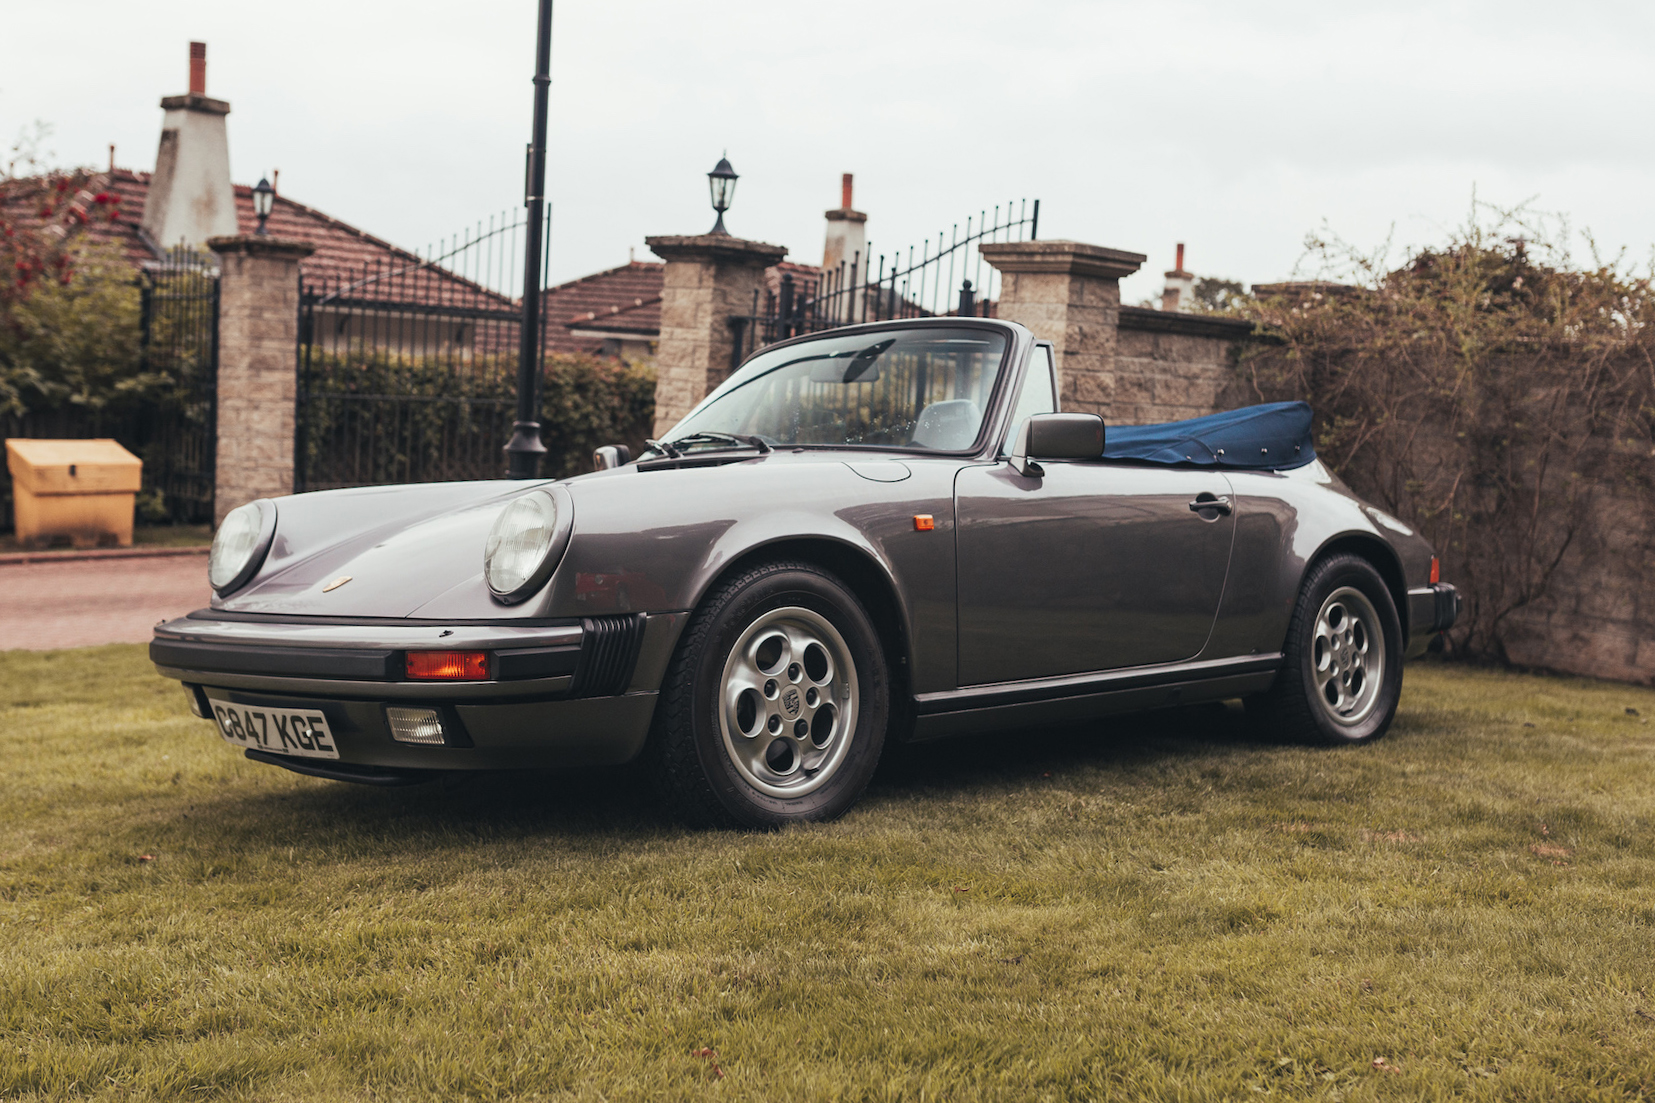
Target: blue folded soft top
1275 435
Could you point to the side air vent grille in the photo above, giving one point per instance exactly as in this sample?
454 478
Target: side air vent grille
607 655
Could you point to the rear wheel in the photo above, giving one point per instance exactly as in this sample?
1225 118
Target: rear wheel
1341 677
776 703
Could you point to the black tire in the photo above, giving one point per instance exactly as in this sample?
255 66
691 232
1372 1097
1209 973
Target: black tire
1312 699
707 767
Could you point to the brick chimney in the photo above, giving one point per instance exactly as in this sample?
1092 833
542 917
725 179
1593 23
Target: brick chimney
1179 294
847 235
190 197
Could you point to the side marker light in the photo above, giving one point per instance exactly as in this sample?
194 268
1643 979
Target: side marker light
924 522
1436 571
448 666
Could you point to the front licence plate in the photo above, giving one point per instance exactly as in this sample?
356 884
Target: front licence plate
292 731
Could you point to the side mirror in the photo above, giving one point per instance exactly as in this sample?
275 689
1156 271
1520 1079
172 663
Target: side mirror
1056 437
611 455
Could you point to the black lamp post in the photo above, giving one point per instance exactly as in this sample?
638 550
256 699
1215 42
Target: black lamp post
264 197
722 182
525 448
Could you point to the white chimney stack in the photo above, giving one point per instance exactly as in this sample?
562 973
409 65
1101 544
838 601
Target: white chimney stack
190 196
847 236
1179 294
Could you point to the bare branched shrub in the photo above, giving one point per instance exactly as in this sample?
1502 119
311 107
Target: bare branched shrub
1490 391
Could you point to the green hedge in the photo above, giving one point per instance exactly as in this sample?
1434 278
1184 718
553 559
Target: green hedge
377 417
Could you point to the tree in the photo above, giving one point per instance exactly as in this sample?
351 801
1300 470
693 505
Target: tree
1217 296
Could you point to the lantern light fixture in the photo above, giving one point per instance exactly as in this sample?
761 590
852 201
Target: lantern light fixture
722 183
264 197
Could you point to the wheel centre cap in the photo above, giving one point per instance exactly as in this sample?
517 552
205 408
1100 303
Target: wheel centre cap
790 702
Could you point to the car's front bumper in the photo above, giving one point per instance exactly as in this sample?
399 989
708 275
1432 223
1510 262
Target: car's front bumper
564 693
1431 609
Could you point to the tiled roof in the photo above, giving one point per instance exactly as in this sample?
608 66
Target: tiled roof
641 319
127 189
601 301
804 275
343 253
623 301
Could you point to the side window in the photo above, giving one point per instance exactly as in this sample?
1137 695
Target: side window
1039 394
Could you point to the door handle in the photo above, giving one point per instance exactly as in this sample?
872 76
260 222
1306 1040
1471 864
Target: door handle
1218 504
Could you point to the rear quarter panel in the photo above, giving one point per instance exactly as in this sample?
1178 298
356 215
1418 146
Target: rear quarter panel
1284 522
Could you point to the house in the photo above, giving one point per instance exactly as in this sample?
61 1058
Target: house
385 295
362 292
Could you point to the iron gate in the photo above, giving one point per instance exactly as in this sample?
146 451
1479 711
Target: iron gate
877 287
177 437
407 366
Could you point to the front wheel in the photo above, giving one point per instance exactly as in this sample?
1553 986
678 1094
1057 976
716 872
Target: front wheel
775 706
1341 675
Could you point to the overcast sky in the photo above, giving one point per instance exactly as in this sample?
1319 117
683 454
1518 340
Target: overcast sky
1235 127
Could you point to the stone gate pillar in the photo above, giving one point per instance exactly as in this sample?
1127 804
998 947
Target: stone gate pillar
1069 294
707 278
258 331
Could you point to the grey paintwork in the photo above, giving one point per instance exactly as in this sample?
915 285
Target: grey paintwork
1056 583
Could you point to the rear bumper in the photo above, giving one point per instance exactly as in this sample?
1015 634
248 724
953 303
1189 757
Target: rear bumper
565 693
1431 609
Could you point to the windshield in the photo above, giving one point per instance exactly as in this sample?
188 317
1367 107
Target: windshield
917 388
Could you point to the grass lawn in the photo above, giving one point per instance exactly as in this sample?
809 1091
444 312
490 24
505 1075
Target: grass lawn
1153 910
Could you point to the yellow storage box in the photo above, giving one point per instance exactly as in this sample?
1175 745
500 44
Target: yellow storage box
80 489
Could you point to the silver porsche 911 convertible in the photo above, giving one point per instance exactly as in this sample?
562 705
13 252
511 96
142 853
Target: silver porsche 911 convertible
878 535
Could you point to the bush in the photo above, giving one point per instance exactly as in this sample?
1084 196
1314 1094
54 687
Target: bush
378 417
75 341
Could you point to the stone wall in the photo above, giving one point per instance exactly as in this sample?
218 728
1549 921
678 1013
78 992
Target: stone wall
1598 615
1171 366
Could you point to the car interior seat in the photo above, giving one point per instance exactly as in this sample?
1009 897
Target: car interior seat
947 426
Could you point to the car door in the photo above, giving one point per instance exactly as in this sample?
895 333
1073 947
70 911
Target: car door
1090 566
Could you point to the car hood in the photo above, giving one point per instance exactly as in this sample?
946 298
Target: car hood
643 538
402 547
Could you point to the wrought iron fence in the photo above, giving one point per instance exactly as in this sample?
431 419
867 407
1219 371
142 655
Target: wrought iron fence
178 438
874 287
407 366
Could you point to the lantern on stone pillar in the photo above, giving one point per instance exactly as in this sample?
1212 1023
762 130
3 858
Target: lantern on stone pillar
722 183
264 197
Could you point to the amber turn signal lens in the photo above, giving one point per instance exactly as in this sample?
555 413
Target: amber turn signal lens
448 666
923 522
1436 571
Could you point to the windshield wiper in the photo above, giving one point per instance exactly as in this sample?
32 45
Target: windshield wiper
671 447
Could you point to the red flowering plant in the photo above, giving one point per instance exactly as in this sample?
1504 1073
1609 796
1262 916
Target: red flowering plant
69 304
42 213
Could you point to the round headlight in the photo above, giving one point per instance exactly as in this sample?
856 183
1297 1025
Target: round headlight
240 544
516 559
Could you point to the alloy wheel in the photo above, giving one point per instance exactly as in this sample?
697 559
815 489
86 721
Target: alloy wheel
1347 656
788 702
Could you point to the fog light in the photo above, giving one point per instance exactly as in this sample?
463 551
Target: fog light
415 725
